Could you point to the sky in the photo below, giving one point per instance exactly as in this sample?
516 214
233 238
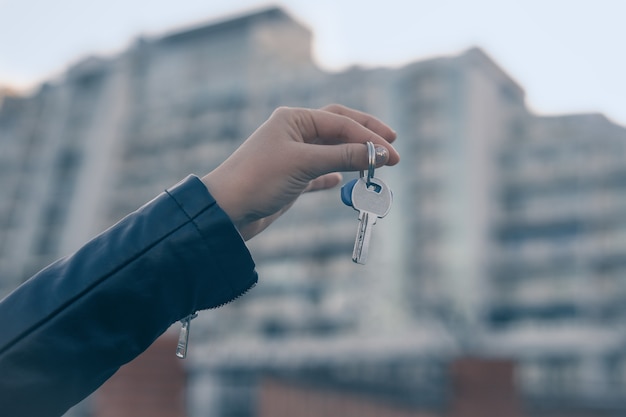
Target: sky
568 55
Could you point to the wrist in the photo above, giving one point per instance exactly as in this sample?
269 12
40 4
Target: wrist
224 198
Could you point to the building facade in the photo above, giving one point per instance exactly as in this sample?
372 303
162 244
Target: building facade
505 238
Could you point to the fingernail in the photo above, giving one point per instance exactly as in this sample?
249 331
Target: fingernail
382 155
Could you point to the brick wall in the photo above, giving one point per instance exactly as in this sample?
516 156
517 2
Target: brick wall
479 388
278 398
484 388
153 385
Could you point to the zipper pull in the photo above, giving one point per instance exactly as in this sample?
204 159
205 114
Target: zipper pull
183 336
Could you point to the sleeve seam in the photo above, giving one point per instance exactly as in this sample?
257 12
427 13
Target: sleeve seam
97 282
206 243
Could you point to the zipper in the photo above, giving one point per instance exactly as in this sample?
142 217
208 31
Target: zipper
183 335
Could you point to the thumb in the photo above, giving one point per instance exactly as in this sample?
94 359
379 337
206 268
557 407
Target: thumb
349 157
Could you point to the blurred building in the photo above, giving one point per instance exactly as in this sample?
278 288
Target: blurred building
558 282
504 239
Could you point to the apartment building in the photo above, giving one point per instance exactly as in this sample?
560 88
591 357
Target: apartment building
503 241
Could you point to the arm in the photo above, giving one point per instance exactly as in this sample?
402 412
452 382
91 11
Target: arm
70 327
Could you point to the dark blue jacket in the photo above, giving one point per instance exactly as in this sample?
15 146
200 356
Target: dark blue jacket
70 327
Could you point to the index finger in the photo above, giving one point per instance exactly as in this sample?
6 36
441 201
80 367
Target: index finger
335 128
366 120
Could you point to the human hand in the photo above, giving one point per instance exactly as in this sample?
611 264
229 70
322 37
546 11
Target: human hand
296 150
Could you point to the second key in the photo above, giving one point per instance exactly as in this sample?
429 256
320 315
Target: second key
372 201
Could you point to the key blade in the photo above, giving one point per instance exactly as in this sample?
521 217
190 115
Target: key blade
372 202
360 235
364 233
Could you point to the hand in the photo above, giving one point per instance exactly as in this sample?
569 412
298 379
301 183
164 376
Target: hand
294 151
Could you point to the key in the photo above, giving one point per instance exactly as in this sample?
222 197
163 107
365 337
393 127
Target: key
372 202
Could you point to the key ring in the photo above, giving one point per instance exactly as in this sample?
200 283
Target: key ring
371 159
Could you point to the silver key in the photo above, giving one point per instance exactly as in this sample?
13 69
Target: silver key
373 202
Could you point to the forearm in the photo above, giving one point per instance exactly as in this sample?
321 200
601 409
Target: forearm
71 326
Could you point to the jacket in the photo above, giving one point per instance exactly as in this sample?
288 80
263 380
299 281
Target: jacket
71 326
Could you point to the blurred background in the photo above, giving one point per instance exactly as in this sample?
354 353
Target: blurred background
495 287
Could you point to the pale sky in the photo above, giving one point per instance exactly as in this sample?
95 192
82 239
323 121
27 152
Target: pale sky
569 55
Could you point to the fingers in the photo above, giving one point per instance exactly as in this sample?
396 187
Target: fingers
339 134
347 157
324 182
331 128
352 127
334 122
366 120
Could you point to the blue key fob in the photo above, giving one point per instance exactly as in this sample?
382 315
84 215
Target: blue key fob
346 192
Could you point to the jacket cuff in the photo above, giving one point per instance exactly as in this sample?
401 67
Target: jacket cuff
227 252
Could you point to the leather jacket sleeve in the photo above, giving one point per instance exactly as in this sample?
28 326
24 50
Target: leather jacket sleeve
70 327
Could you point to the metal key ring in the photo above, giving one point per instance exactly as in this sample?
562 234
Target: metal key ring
371 154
